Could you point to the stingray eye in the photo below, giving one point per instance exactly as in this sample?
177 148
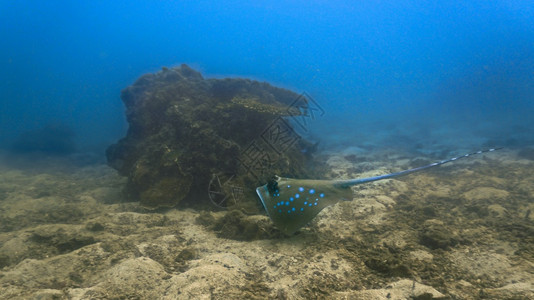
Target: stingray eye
272 186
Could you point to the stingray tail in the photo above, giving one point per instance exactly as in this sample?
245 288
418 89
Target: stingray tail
351 182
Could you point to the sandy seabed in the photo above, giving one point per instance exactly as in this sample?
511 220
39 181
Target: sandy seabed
461 231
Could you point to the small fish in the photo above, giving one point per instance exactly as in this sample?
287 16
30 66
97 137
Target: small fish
293 203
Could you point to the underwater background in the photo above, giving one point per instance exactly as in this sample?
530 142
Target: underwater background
387 73
129 161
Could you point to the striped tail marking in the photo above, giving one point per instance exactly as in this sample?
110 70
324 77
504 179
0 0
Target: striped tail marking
351 182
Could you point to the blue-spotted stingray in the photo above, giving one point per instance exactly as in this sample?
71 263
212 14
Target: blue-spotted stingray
293 203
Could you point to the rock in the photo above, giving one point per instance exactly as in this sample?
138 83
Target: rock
215 276
436 235
136 278
49 294
485 193
421 255
402 289
497 210
236 225
518 290
184 129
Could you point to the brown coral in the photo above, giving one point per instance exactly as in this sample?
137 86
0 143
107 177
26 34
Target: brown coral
183 129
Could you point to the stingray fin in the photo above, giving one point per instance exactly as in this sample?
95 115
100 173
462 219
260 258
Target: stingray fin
293 203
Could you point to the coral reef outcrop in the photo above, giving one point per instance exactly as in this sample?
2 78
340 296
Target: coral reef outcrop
194 138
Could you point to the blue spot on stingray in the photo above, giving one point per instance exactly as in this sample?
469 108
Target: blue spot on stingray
279 210
287 203
310 204
305 203
291 199
301 189
293 209
321 195
316 199
301 209
288 186
297 196
315 203
312 191
288 211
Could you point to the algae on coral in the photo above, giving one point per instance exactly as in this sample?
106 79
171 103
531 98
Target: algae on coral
184 128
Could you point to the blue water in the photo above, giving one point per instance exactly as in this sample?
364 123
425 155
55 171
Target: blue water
456 74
